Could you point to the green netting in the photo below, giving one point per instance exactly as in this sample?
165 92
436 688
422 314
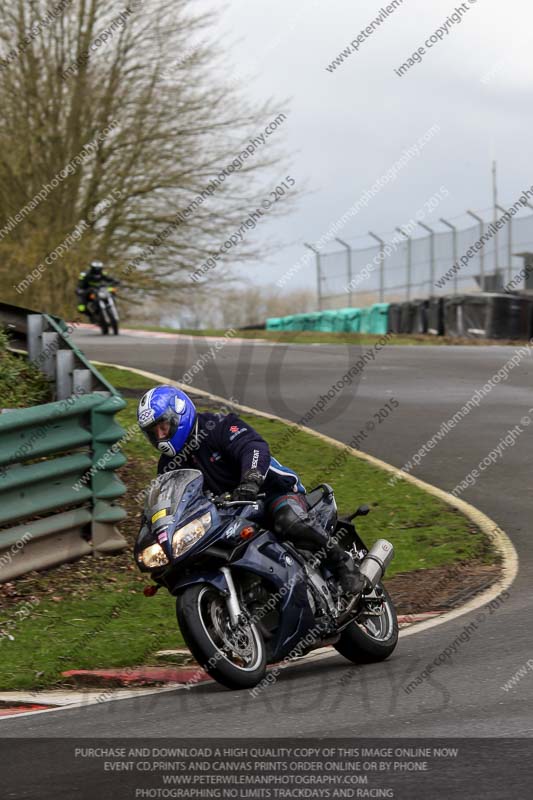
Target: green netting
354 321
379 318
312 320
288 323
365 320
348 320
326 323
341 320
298 322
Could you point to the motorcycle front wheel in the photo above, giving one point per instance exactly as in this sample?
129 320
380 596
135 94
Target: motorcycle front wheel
374 633
113 316
103 321
234 657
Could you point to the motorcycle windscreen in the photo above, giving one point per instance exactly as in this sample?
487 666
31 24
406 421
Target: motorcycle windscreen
173 493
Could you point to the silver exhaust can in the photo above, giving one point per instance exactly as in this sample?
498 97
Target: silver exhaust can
376 561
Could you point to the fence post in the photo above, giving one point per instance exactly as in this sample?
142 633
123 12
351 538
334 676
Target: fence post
483 277
349 265
318 274
382 265
409 261
482 251
455 254
509 243
431 254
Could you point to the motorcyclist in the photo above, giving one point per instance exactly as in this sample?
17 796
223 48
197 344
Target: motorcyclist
234 458
94 277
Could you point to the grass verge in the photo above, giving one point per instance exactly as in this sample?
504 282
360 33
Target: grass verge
93 614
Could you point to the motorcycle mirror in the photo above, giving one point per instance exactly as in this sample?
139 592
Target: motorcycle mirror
362 511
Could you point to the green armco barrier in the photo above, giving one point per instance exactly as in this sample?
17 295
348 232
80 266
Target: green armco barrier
29 490
58 487
379 318
107 457
27 431
274 324
54 456
42 528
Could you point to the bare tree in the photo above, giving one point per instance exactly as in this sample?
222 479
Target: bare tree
120 141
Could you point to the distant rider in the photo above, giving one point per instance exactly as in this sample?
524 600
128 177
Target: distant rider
90 280
233 457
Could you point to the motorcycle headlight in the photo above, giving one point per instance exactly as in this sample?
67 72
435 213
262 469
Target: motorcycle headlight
153 556
185 537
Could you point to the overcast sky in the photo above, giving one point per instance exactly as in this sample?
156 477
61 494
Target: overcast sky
347 127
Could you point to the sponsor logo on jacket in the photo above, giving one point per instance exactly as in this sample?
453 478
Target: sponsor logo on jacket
236 431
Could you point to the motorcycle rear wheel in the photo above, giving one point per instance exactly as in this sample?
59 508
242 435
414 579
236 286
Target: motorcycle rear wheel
236 659
371 638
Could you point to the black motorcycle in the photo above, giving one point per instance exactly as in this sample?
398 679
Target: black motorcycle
103 309
243 598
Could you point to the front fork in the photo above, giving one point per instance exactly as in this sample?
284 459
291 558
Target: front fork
232 600
103 312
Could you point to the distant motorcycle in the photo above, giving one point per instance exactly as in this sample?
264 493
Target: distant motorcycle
103 310
243 598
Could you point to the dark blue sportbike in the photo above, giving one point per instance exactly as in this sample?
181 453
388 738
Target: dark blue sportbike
243 598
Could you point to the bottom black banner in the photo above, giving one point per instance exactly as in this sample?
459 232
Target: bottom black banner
161 769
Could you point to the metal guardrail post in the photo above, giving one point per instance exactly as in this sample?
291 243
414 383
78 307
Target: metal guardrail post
65 363
48 343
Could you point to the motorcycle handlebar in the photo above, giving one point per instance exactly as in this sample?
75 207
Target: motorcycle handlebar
225 501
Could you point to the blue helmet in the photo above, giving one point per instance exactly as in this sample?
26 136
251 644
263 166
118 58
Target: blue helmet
167 404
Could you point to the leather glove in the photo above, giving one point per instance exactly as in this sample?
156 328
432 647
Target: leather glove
249 487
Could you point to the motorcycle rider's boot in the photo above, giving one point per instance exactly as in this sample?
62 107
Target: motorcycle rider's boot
347 573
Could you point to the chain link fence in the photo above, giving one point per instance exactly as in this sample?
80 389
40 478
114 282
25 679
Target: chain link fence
470 255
